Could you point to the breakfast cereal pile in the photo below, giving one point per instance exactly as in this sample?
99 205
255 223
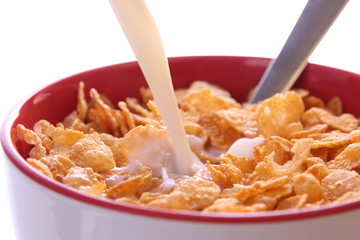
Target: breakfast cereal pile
308 154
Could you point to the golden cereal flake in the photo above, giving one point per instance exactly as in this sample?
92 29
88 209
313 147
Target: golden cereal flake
244 164
82 106
44 127
293 202
335 139
312 101
155 111
175 200
231 171
316 204
241 120
80 178
306 183
97 189
233 205
84 180
28 135
142 121
129 119
280 146
128 200
321 153
206 101
72 121
63 141
270 197
217 175
351 195
291 128
136 108
303 93
32 138
275 113
242 192
58 165
348 159
339 182
305 133
268 168
221 134
200 193
106 118
195 129
91 152
335 106
318 168
115 146
40 167
345 122
146 94
198 85
133 184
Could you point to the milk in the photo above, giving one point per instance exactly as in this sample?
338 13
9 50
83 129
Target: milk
144 38
244 147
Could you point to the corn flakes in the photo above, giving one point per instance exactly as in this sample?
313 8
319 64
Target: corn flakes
308 156
275 113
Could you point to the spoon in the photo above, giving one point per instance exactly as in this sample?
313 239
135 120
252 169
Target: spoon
312 25
144 38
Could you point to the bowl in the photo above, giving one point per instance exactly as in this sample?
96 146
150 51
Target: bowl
44 209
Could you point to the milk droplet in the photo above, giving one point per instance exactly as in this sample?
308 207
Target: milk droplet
245 147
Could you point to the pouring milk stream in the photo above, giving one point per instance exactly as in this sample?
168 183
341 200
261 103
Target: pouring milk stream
144 38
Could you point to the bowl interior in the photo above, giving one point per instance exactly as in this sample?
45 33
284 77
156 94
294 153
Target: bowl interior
236 74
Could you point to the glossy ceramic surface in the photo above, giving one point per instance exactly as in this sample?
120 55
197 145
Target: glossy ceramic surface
45 209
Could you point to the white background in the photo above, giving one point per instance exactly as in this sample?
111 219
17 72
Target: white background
44 40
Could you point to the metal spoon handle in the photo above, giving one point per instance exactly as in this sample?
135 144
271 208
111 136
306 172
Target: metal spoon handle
312 25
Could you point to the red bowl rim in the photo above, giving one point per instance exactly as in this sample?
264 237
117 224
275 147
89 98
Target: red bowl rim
258 217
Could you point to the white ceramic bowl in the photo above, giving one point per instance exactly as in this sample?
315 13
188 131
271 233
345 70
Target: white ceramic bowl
45 209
